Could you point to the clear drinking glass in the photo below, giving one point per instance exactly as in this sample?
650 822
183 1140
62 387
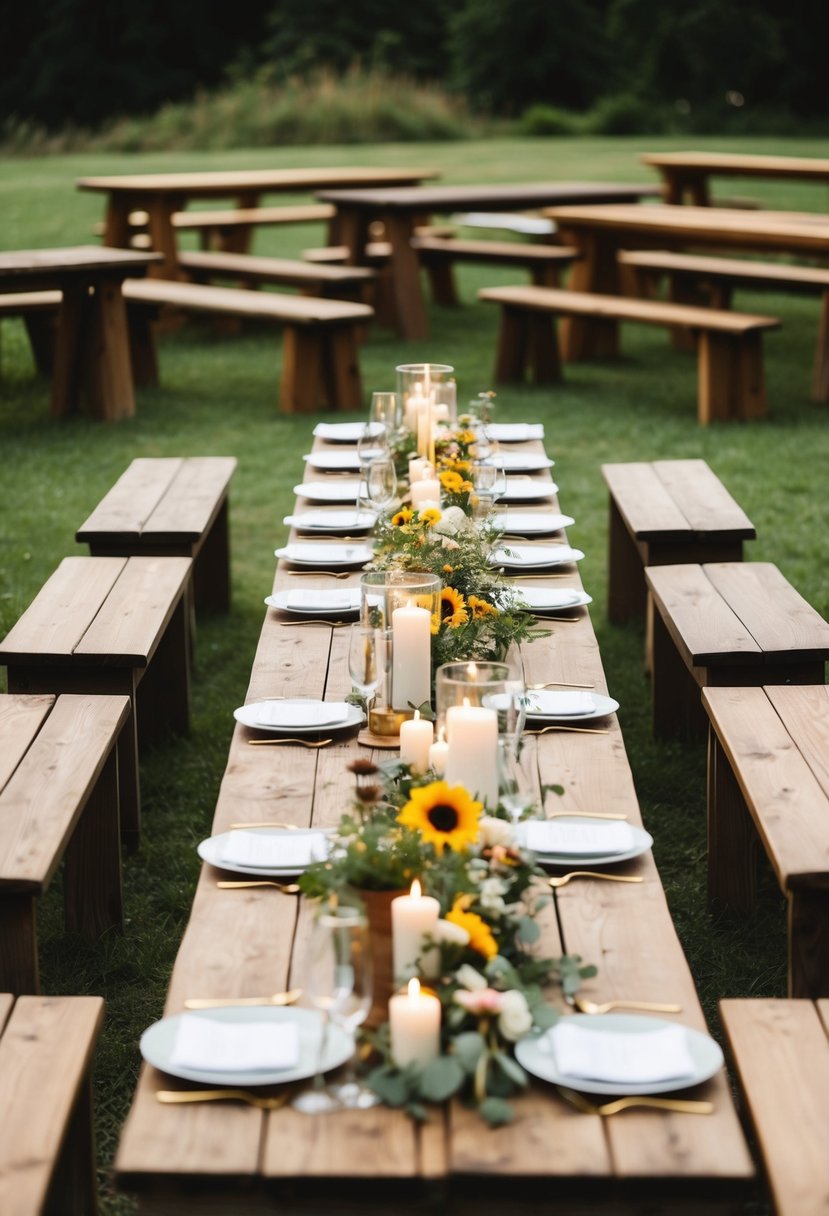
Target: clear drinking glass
353 1012
372 445
381 483
386 409
365 659
514 792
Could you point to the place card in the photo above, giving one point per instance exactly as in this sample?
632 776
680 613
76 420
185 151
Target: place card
206 1043
621 1058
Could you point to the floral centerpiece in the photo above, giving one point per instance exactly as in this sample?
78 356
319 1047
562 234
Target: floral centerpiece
492 972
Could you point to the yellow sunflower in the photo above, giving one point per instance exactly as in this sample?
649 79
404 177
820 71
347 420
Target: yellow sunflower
445 816
480 935
480 608
403 516
430 516
453 608
451 482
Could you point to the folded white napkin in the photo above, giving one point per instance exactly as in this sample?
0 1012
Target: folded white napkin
515 432
206 1043
556 703
622 1059
329 519
345 432
547 597
274 850
333 460
580 839
532 555
324 599
301 713
336 490
523 460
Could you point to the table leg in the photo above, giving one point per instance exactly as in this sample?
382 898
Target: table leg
595 270
162 234
107 363
70 339
408 296
808 944
117 221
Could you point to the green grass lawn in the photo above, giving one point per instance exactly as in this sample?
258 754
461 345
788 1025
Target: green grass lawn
218 396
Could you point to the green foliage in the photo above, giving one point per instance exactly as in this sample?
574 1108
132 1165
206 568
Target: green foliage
624 114
543 119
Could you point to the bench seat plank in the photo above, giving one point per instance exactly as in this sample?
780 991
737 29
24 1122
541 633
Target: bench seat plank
188 510
781 1053
243 217
288 271
130 624
758 273
645 502
699 620
704 500
294 310
20 719
781 621
59 616
126 509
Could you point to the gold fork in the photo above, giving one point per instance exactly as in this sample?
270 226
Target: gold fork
176 1097
302 742
585 1006
318 574
563 880
565 815
556 684
267 823
276 998
287 888
684 1106
578 730
317 620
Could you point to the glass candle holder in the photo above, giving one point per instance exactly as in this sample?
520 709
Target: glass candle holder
406 605
480 707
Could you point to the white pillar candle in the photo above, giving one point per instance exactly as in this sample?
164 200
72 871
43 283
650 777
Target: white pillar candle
437 754
424 428
425 491
414 404
414 1017
418 469
472 758
416 738
414 917
411 677
441 412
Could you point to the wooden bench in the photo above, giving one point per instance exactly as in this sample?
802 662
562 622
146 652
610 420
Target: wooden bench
47 1141
438 256
116 625
780 1050
337 282
39 311
695 279
730 345
167 506
727 624
768 786
59 798
229 230
320 357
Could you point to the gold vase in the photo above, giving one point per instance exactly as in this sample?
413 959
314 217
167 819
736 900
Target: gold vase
378 913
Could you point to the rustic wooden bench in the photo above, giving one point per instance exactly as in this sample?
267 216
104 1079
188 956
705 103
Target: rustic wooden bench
780 1050
111 625
59 798
168 506
438 256
336 282
730 345
727 624
47 1141
695 279
320 356
768 785
227 229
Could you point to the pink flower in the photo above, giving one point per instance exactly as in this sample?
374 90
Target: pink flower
485 1000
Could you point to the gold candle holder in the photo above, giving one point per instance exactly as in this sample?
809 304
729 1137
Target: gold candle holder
386 722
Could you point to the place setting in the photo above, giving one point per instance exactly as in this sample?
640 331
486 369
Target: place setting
332 521
265 852
523 462
299 716
544 600
316 554
334 489
320 602
534 557
570 840
527 489
530 523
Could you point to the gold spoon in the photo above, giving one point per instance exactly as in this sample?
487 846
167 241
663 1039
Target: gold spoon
274 742
579 730
585 1006
574 815
267 823
175 1097
682 1106
556 684
287 888
565 878
278 998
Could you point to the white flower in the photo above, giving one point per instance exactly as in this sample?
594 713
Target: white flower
456 935
470 979
448 543
491 897
494 831
515 1019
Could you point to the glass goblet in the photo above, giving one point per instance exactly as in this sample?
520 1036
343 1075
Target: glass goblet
372 445
353 1012
514 793
365 659
381 483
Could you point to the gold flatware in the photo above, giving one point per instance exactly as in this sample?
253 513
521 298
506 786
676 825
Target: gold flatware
312 534
287 888
584 1006
275 742
578 730
565 878
556 684
267 823
176 1097
277 998
316 620
683 1106
318 574
574 815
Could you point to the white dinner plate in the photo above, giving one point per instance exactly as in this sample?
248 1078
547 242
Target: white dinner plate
515 432
531 523
335 490
523 462
157 1045
530 556
346 432
324 556
543 599
536 1055
604 706
643 841
316 602
331 521
527 489
248 715
339 462
212 850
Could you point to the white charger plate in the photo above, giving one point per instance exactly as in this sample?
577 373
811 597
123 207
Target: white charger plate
527 489
247 716
211 850
523 462
643 842
604 706
531 523
545 599
157 1045
324 556
282 601
335 490
346 432
537 556
535 1054
332 521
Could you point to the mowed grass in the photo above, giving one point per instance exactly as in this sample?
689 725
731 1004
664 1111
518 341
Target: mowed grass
218 396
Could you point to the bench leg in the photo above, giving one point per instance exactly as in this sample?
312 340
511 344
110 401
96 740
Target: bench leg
73 1190
820 375
732 838
211 569
341 382
626 591
18 944
731 380
41 331
441 276
808 944
527 344
143 349
545 276
163 696
677 709
92 892
683 290
301 370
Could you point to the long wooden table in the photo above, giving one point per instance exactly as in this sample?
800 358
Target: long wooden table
232 1158
687 174
598 233
92 353
161 195
401 210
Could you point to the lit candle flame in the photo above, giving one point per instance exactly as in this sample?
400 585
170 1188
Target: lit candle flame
417 715
415 889
414 988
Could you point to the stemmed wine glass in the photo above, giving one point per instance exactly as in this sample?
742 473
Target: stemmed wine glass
372 445
366 658
353 1012
514 792
335 954
385 409
381 483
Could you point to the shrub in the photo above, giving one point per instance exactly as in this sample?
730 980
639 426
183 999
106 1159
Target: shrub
625 114
548 120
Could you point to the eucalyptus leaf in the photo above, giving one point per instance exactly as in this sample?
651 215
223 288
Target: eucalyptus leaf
528 930
467 1048
496 1111
440 1079
511 1068
390 1086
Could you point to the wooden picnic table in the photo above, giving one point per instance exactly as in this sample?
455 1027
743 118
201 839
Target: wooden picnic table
92 354
248 942
402 210
598 233
161 195
687 174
